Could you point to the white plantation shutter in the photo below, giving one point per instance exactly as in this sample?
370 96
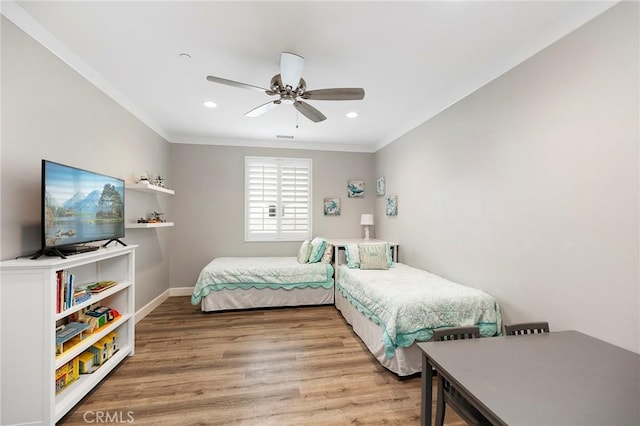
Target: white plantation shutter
278 199
262 192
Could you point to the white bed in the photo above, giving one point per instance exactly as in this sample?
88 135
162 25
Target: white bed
392 309
261 282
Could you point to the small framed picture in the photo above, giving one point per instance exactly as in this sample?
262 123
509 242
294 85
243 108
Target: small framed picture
392 205
355 189
332 206
380 186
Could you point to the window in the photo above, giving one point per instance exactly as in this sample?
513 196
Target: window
277 199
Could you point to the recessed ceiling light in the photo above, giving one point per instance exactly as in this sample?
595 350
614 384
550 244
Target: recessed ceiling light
209 104
352 114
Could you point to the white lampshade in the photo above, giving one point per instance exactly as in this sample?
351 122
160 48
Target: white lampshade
366 219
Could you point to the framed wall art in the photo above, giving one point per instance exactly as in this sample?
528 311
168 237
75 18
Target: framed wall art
332 206
392 205
355 189
381 186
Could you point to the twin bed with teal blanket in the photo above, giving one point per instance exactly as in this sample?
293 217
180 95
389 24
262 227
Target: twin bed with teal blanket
391 309
259 282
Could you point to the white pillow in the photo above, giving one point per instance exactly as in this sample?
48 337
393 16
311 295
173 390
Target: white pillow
373 256
304 252
352 252
318 244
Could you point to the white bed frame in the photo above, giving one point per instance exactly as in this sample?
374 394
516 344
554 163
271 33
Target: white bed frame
407 361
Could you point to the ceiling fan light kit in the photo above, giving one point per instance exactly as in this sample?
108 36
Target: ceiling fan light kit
290 86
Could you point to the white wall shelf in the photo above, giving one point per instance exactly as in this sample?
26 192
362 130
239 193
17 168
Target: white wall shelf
28 303
147 187
148 225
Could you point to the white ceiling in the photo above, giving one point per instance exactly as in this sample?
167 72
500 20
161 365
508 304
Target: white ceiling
413 59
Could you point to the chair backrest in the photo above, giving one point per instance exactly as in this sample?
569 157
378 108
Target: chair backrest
456 333
526 328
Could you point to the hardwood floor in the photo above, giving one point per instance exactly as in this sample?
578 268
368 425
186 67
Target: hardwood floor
260 367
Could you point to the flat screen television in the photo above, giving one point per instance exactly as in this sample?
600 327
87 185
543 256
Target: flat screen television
78 207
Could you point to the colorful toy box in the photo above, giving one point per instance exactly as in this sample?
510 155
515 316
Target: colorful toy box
114 340
104 349
87 362
100 352
107 344
67 374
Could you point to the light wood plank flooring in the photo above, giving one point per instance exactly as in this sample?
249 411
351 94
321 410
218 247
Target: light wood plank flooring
260 367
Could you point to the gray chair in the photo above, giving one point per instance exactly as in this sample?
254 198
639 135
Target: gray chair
526 328
447 393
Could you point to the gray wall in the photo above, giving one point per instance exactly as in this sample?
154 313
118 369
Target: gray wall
49 111
209 203
529 187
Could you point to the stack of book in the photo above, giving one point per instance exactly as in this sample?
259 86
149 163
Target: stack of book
80 295
64 290
100 286
68 295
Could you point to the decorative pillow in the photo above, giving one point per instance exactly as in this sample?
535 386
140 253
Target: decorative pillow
373 256
352 253
390 261
304 252
317 249
327 257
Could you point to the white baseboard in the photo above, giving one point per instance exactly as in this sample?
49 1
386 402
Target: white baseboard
149 307
181 291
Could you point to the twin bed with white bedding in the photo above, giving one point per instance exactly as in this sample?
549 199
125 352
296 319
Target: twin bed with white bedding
390 307
261 282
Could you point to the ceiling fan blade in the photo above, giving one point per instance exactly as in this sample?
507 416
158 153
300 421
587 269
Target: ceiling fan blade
342 94
291 69
310 112
263 108
235 84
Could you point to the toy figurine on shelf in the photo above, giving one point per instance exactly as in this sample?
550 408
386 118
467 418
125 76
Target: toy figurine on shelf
145 178
155 217
159 182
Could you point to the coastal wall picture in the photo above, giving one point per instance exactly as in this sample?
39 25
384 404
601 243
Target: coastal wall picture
392 205
355 189
332 206
380 186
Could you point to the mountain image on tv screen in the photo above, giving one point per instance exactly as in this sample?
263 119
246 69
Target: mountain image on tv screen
81 206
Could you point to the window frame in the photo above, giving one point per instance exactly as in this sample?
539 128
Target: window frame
280 235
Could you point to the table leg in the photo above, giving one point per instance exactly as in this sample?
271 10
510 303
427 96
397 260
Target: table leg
440 406
427 383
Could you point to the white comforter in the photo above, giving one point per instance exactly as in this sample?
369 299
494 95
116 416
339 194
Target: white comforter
260 272
409 303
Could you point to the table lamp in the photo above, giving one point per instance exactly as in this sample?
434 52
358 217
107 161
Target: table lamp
366 220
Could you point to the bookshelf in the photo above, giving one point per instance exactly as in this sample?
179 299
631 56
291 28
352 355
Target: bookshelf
29 317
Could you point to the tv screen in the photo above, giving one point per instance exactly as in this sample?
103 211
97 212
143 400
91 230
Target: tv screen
79 206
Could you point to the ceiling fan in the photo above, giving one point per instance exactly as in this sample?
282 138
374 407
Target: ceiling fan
291 89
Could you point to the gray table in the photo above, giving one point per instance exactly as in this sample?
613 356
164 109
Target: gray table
562 378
